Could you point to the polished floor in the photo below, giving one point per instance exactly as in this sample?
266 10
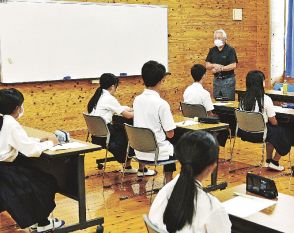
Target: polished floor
123 208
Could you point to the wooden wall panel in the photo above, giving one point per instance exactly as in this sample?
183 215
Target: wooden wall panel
191 24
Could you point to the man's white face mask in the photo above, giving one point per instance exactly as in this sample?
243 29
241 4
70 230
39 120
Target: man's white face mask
218 43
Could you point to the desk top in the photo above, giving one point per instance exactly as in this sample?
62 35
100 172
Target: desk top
235 104
278 217
200 126
36 133
269 92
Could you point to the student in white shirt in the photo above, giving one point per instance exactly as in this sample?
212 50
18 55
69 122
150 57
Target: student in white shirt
105 105
26 193
195 93
255 100
151 111
182 206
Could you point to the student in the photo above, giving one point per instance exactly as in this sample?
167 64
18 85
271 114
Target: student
26 193
255 100
195 93
105 105
151 111
182 205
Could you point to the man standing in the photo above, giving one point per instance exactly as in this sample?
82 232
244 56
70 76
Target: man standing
222 60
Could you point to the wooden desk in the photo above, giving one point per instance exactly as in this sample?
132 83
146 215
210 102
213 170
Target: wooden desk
275 95
274 219
67 166
212 128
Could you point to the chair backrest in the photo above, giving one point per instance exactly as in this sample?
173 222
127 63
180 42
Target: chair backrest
250 121
193 110
142 139
96 126
151 228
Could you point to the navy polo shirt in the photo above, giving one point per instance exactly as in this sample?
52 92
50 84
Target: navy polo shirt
224 57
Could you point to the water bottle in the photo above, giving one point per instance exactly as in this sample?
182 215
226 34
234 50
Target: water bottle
285 87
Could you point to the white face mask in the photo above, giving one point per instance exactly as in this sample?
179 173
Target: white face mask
21 113
218 43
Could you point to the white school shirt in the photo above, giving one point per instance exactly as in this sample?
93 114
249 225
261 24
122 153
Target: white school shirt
210 217
151 111
107 105
196 94
268 108
14 139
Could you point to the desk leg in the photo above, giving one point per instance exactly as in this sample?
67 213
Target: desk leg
214 175
83 223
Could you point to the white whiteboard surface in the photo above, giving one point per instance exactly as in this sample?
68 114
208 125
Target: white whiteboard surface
43 41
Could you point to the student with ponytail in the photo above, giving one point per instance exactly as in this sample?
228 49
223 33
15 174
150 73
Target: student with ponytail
26 194
105 105
278 138
182 205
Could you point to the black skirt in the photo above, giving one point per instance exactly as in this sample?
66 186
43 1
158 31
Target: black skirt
117 144
25 193
276 135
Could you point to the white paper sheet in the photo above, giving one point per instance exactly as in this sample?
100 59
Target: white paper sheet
187 123
69 145
243 206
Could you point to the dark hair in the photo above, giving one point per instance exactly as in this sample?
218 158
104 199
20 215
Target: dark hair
196 150
152 73
197 72
9 100
106 80
254 91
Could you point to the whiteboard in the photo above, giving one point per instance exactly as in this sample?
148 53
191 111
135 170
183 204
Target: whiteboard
43 41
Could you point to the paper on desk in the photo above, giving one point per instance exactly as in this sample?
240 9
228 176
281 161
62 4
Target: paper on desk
186 123
245 206
69 145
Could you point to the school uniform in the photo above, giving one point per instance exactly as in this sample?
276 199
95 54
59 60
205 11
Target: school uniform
209 216
276 135
106 107
26 193
196 94
153 112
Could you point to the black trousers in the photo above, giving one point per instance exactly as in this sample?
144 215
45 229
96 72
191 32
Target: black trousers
117 144
279 136
26 194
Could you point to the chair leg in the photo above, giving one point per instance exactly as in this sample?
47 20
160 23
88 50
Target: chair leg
104 167
290 163
262 157
231 149
152 188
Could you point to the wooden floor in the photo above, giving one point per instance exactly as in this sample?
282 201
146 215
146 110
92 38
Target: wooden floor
126 215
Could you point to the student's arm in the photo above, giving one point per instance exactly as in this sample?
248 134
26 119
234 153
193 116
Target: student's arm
128 114
167 120
209 113
20 141
218 221
273 120
170 134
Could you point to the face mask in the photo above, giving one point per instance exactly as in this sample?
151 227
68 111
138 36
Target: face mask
218 43
21 113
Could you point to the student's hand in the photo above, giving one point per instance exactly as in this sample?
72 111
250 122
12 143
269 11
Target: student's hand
129 109
52 138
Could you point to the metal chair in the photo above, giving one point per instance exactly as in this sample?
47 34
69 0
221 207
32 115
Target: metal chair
144 140
151 228
251 122
193 110
97 127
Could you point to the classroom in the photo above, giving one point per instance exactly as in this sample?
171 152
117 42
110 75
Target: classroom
155 65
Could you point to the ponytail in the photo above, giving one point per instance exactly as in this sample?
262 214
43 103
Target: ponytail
106 81
180 208
195 151
1 121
